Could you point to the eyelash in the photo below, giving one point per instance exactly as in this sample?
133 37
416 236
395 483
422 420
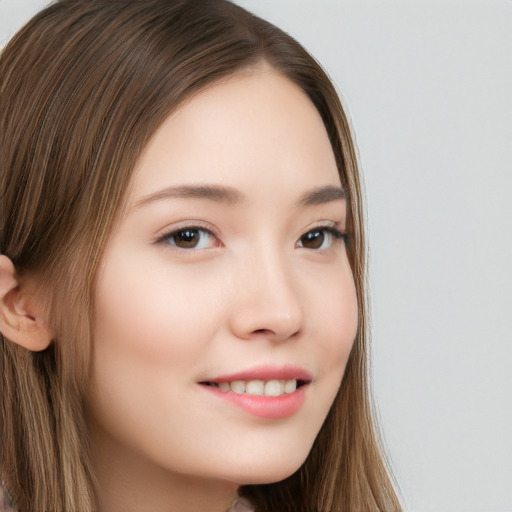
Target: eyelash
166 237
333 232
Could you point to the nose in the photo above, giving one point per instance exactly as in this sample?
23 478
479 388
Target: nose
267 303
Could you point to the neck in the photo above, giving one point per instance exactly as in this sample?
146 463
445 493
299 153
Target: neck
127 482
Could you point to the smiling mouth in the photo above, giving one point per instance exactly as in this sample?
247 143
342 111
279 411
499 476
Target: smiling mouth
272 387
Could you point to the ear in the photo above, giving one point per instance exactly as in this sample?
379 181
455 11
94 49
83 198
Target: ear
21 318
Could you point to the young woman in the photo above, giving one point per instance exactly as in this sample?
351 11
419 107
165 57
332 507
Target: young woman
182 270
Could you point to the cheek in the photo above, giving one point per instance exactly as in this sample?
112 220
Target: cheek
342 326
146 331
148 342
150 314
334 325
336 329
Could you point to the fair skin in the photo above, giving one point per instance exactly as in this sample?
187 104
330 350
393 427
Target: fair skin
226 265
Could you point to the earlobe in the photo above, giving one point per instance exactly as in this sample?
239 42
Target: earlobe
21 319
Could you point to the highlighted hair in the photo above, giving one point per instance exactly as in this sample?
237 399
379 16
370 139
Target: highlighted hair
83 86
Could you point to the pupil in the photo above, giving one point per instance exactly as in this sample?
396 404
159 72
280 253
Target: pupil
187 238
313 239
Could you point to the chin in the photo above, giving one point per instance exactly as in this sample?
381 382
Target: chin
268 471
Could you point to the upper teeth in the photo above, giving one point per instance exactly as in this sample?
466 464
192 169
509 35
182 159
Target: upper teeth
259 387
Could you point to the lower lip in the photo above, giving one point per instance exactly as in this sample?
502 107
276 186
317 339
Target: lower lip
271 407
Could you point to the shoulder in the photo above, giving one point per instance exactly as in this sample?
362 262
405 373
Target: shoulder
6 501
239 505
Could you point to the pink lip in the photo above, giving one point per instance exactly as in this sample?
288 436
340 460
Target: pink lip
271 407
267 372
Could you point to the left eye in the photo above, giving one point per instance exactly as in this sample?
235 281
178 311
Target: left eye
190 238
319 238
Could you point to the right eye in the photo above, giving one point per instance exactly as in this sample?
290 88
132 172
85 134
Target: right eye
321 238
190 238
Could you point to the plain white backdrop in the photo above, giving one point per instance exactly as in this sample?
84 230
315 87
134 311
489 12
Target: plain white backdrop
428 88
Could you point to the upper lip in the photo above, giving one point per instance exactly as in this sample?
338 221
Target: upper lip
266 373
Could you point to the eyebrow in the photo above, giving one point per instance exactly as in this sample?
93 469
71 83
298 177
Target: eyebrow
229 195
215 193
322 195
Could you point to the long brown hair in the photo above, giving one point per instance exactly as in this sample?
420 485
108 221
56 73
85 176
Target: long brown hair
84 85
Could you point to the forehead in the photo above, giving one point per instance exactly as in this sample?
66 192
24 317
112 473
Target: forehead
251 130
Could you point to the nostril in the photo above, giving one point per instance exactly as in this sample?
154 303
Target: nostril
263 331
278 333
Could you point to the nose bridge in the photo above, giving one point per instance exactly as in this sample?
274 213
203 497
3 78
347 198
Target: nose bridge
269 302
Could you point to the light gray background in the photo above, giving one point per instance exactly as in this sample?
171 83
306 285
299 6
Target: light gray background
428 88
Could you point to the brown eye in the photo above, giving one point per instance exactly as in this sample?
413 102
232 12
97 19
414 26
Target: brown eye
313 239
321 238
189 238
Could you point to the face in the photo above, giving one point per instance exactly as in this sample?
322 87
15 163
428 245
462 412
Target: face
225 304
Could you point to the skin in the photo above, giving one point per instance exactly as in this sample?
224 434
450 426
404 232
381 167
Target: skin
251 292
